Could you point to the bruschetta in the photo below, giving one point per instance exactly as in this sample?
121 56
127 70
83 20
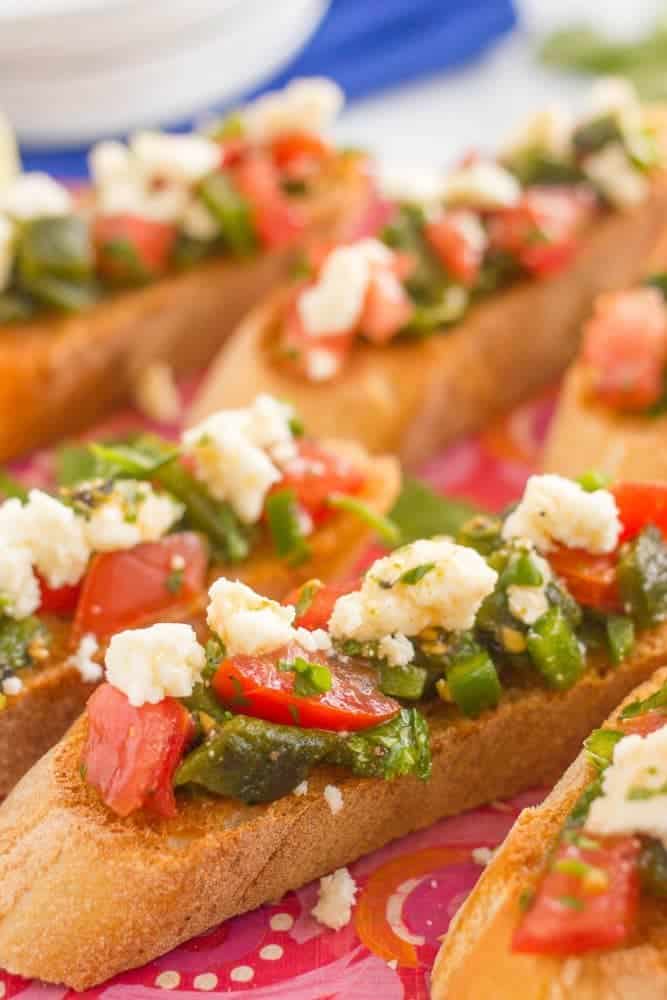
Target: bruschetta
177 239
136 535
612 409
573 905
471 298
301 735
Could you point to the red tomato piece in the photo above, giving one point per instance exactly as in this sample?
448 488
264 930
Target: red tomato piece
459 242
232 151
128 588
542 229
278 221
387 307
645 724
641 504
591 579
625 348
317 473
570 916
255 686
130 248
318 612
58 600
131 754
299 153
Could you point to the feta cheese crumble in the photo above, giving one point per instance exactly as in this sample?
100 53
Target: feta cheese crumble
549 131
148 664
450 584
334 798
634 789
301 788
82 660
309 104
237 453
245 622
132 513
417 184
484 185
336 897
12 685
35 196
333 305
396 649
557 511
180 159
612 171
19 589
528 603
55 537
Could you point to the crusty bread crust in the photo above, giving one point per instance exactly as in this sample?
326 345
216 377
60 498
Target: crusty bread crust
413 397
58 376
84 895
475 961
54 696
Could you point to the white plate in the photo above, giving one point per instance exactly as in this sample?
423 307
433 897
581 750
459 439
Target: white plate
208 66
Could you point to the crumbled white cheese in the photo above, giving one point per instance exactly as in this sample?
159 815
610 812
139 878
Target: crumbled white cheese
132 513
150 663
11 522
334 798
82 659
12 685
471 229
6 251
156 393
634 789
198 223
109 162
336 898
612 171
134 197
557 511
615 96
301 788
313 641
333 305
235 453
306 105
322 365
56 539
417 184
448 594
530 603
19 589
34 196
246 622
484 185
549 132
396 649
482 855
179 159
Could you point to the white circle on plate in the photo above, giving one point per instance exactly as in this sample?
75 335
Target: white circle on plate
205 981
168 980
271 952
241 974
281 921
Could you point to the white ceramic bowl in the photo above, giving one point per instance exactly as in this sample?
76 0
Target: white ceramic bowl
132 63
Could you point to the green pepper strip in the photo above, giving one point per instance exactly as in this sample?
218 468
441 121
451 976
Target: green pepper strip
406 682
283 520
473 683
554 649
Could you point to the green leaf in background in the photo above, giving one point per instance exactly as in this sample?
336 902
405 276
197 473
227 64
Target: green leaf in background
420 512
581 49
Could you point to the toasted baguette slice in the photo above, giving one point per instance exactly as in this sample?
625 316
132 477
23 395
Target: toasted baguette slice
587 435
53 696
475 961
414 396
84 895
60 375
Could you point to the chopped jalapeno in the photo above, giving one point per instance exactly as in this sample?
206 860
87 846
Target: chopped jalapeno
521 571
473 682
57 248
406 682
554 649
282 514
620 637
642 577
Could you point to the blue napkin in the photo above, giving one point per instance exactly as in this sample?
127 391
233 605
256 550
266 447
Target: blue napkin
367 46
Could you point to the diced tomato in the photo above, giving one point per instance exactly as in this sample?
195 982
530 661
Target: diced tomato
387 307
315 474
459 242
324 596
625 348
277 221
572 914
648 722
58 600
640 504
130 248
232 151
127 588
590 579
298 153
131 754
255 686
542 229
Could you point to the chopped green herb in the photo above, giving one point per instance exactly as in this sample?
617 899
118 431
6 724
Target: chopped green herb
307 595
174 581
311 679
383 527
282 514
593 480
600 746
417 573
